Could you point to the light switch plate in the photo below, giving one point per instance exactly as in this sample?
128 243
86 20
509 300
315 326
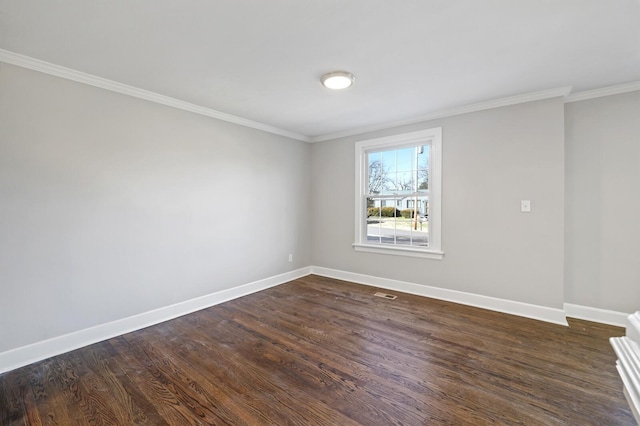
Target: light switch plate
525 206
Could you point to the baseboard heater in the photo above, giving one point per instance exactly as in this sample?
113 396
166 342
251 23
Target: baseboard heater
627 349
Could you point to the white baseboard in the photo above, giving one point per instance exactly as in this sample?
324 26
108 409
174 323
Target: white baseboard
542 313
38 351
25 355
596 315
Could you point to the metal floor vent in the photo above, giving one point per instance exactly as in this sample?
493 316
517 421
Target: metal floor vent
386 296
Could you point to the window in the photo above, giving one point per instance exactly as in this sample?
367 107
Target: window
395 171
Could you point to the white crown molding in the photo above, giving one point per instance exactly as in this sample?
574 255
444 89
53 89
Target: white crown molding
541 313
604 91
496 103
19 357
92 80
602 316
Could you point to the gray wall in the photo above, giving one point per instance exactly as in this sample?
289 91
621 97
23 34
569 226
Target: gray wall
491 160
602 267
111 206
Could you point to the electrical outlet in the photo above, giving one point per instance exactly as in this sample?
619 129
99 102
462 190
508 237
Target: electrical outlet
525 206
290 257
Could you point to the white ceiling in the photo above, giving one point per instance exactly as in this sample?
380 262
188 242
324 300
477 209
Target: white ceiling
262 60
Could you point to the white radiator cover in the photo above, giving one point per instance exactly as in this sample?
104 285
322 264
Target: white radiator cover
627 349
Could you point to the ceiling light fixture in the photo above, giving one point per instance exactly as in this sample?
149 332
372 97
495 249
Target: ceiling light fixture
337 80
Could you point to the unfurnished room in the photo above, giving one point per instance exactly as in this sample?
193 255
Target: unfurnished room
349 212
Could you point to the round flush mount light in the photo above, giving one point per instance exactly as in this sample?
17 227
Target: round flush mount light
337 80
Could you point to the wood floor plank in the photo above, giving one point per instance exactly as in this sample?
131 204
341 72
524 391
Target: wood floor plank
359 373
302 374
49 402
276 382
11 403
387 358
319 351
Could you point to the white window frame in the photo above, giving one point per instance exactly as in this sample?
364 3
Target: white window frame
432 137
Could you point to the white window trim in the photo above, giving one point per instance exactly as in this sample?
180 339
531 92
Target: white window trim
434 138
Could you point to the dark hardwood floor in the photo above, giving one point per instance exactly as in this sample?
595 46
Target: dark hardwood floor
318 351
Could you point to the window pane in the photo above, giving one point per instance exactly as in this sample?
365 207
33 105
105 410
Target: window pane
406 159
405 182
376 173
389 161
423 168
373 207
374 213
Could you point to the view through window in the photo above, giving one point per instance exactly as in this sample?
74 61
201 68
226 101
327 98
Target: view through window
398 196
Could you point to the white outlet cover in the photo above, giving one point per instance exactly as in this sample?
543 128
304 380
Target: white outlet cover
525 206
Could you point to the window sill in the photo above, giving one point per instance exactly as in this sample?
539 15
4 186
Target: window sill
399 251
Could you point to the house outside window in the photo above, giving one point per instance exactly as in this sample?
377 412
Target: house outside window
389 171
